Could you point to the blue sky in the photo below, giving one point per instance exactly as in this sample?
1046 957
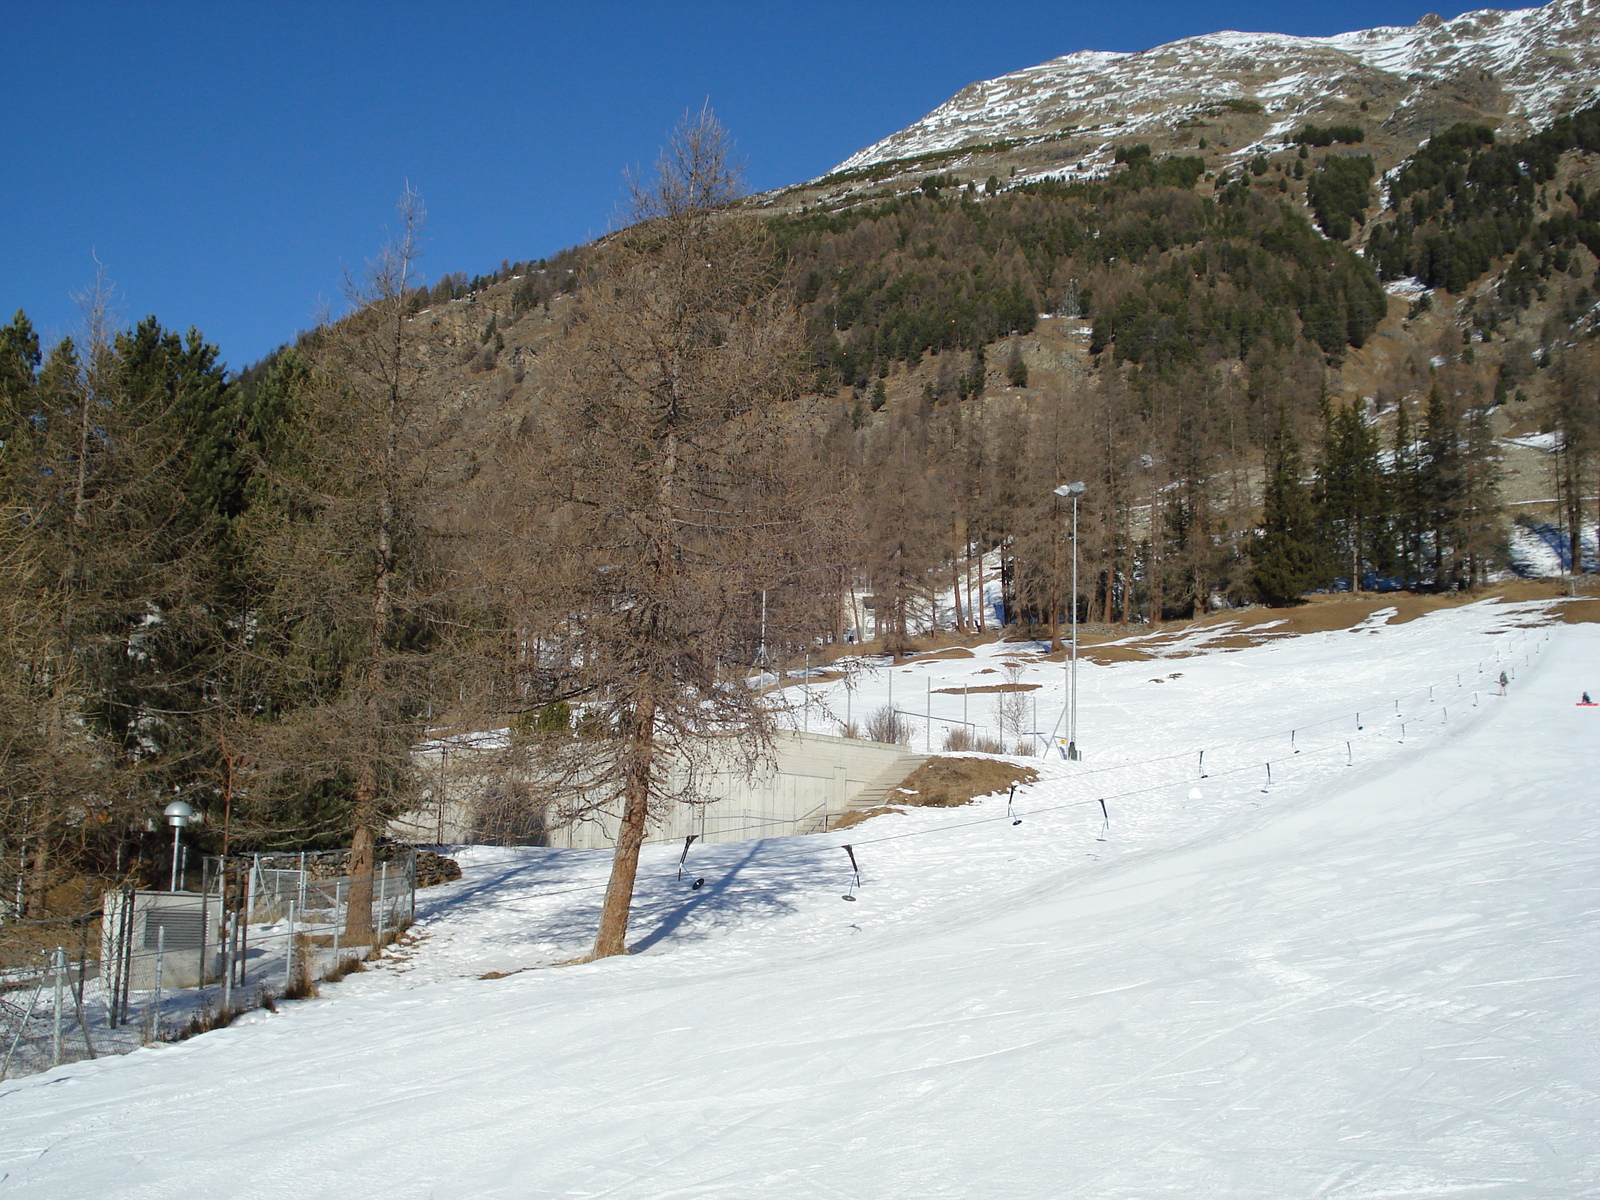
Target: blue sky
226 162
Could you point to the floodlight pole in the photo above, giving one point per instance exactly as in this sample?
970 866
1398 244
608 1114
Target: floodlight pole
178 814
1072 724
1074 490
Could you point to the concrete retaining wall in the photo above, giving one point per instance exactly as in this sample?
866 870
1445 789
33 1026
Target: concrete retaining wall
809 782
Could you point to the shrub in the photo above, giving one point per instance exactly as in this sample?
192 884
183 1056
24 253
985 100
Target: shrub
1016 368
886 725
1313 135
958 737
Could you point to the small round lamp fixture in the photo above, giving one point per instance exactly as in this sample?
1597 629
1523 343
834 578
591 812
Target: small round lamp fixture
179 813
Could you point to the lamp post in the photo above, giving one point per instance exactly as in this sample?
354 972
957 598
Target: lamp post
1074 490
178 814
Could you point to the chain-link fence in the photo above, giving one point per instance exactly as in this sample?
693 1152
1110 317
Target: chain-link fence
175 963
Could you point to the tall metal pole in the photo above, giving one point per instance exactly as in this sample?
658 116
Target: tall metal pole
1074 490
178 814
1072 721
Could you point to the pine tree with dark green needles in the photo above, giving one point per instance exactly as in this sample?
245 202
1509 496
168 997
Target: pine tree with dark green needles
1287 558
1351 494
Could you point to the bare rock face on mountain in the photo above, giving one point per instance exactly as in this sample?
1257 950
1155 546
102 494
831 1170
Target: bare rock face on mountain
1228 95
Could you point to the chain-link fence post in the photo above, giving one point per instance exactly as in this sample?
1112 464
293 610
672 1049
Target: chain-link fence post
288 953
21 1025
57 959
161 954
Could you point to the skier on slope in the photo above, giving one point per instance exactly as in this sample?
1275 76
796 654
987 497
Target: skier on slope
1503 682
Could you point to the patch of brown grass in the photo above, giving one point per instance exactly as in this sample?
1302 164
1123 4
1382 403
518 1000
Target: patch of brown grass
1580 612
347 965
947 781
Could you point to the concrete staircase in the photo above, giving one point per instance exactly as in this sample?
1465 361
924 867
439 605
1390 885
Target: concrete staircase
856 790
876 792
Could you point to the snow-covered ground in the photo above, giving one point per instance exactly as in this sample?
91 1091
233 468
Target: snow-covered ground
1543 551
1376 977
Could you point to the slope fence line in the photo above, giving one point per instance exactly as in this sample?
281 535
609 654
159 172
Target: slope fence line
1353 716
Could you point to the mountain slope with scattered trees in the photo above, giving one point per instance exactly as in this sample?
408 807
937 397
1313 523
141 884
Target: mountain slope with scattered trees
260 591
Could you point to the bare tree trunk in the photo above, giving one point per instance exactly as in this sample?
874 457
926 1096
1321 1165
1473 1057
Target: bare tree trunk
974 602
364 816
838 611
38 877
612 937
900 601
1056 617
957 538
1574 498
1127 573
358 910
391 286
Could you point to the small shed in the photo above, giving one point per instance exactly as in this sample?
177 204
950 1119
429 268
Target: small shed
131 938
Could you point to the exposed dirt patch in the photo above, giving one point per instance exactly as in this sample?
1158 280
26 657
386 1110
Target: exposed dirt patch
1109 654
800 680
953 652
1580 612
855 818
947 781
1318 614
988 687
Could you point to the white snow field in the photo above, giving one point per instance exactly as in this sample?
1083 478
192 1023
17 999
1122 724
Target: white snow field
1368 980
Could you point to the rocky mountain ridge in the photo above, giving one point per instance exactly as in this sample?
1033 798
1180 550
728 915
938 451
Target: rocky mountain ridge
1229 96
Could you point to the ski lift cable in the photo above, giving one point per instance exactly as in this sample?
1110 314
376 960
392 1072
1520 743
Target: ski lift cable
801 852
817 851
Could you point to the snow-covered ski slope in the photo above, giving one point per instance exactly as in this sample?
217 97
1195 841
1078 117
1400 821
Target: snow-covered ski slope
1376 979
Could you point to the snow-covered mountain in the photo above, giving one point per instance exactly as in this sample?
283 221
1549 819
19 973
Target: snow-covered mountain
1516 68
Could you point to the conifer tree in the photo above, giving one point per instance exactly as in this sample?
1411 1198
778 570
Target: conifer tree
1016 368
19 362
1408 517
1350 493
1439 477
1575 414
1481 542
1287 558
654 497
349 608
